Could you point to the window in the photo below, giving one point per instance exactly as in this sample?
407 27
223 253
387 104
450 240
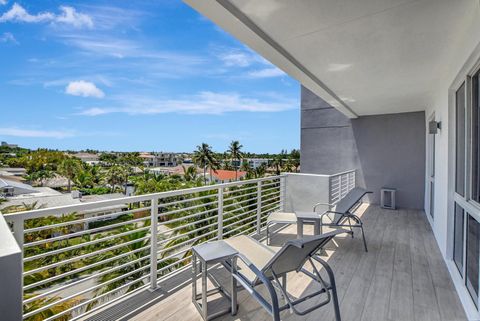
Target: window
460 141
475 138
458 238
472 257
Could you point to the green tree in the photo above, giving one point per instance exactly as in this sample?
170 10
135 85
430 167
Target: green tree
84 179
236 154
108 159
40 176
69 168
203 157
295 158
190 173
115 176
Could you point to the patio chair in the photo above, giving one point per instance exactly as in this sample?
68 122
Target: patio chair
257 264
341 210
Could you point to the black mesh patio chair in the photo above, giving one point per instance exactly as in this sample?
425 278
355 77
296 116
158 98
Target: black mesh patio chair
257 264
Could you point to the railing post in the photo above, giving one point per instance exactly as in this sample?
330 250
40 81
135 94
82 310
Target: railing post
18 231
153 243
259 206
283 192
220 213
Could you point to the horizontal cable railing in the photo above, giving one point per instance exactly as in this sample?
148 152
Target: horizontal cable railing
340 185
79 258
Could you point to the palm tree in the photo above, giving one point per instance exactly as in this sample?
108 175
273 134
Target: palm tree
278 161
69 168
84 179
189 173
55 309
295 158
115 176
203 157
235 151
40 176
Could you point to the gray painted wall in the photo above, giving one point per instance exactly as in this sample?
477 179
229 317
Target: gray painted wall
387 150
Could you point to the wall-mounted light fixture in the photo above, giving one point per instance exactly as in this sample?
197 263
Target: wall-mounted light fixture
434 126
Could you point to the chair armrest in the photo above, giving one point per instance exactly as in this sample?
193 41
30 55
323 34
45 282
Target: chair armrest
319 204
272 308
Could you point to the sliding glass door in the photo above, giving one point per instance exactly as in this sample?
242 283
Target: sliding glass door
466 213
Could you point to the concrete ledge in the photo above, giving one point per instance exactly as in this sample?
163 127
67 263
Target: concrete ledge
11 276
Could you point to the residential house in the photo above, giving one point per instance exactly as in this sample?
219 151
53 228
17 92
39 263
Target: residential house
88 158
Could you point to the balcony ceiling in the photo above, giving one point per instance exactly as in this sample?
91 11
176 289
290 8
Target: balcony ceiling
362 56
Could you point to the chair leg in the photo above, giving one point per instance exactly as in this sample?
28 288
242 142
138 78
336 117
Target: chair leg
350 224
268 239
363 236
336 307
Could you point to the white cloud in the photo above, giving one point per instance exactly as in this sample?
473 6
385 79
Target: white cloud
18 14
68 16
71 17
8 37
3 2
202 103
17 132
84 89
266 73
236 59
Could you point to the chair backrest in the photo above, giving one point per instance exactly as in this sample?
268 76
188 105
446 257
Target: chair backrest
348 202
294 253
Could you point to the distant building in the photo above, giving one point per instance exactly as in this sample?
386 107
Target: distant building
224 176
88 158
257 162
172 170
5 144
159 159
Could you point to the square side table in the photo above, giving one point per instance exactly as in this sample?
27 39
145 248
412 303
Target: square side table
308 218
208 254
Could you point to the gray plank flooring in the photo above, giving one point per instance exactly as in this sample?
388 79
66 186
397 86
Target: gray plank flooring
402 277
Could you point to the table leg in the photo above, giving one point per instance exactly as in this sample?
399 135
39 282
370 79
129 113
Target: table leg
233 295
204 290
316 227
299 229
194 278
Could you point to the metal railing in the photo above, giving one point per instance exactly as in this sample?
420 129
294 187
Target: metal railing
340 185
79 258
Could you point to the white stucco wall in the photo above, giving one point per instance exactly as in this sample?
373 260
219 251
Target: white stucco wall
463 57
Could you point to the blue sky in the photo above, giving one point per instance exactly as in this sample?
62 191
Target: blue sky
136 76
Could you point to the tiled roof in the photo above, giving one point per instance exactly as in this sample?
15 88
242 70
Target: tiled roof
224 175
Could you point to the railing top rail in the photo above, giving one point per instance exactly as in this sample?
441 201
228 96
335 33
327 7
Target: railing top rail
129 199
320 175
342 173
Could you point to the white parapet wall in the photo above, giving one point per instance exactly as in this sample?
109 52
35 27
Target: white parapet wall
303 191
10 276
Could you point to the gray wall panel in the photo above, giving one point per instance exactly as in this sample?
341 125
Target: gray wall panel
387 150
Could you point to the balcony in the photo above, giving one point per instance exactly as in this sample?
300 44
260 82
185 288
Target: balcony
134 264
